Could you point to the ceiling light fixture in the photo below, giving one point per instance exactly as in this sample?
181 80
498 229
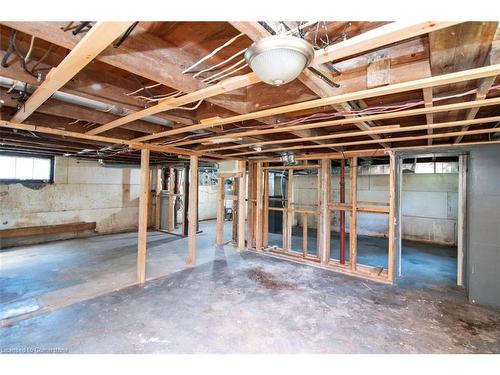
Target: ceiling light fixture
279 59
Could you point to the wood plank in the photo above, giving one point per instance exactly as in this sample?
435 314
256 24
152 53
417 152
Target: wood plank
429 117
143 218
219 232
445 79
192 210
171 200
324 198
251 182
392 224
241 206
94 42
379 130
265 213
353 237
259 208
332 123
290 212
304 235
46 229
378 72
158 197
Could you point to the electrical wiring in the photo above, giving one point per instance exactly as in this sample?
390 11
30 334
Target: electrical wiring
227 74
221 63
229 42
28 54
223 71
143 88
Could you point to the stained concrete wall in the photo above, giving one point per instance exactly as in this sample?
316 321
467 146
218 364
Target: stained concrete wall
82 191
429 205
483 226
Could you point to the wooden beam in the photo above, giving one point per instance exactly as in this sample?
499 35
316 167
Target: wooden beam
353 237
143 218
158 197
46 229
381 36
193 210
337 99
331 123
259 208
429 117
381 130
371 141
324 198
219 232
171 200
242 212
227 85
392 224
94 42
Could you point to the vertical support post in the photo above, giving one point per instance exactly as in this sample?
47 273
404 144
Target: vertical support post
304 234
241 205
462 214
259 208
143 218
185 195
324 217
219 235
265 213
353 238
192 210
158 198
251 204
342 213
392 186
171 200
289 213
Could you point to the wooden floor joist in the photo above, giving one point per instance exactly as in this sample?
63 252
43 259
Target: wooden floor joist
100 36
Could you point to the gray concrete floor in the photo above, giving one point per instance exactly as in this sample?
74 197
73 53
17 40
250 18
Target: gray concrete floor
64 295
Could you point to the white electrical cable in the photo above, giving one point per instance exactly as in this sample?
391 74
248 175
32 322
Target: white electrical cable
223 71
143 88
30 49
213 53
227 74
221 63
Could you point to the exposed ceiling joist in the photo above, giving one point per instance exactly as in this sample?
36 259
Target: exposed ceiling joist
100 36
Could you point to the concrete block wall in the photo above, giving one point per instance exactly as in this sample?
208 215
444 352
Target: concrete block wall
82 191
429 205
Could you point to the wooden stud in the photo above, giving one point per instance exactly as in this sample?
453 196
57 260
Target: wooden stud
353 240
304 235
158 198
290 212
171 201
94 42
259 208
324 219
265 211
143 218
392 202
251 204
192 210
241 205
219 234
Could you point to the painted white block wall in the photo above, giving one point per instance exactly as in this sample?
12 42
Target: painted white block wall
429 205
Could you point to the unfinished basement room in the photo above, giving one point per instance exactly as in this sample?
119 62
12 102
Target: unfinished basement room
249 187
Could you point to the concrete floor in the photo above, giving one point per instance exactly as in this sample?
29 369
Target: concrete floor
61 296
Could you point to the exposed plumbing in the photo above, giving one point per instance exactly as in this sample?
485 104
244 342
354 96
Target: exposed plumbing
81 101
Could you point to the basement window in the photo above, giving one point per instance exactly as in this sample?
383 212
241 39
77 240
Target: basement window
15 168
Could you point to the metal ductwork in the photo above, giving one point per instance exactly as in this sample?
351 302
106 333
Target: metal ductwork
81 101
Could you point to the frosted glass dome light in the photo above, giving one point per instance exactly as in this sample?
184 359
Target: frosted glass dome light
279 59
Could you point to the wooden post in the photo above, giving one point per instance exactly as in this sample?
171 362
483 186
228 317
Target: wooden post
171 201
342 213
324 217
265 213
193 210
241 205
353 240
158 198
289 214
251 204
392 186
258 214
304 234
219 236
143 218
